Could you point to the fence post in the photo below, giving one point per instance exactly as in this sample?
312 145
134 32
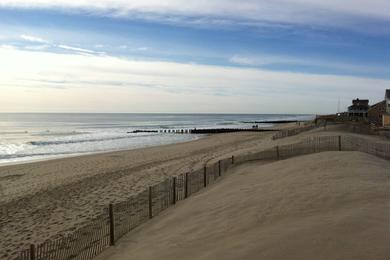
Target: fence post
112 226
277 152
32 252
232 159
174 190
219 168
150 203
205 176
339 142
186 187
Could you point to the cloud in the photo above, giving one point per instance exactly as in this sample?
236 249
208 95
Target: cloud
42 44
308 12
240 60
259 60
7 47
37 47
79 50
95 83
291 62
32 38
142 48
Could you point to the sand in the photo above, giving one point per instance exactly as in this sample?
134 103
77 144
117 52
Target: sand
322 206
40 200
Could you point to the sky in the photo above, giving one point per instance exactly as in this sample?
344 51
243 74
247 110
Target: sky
203 56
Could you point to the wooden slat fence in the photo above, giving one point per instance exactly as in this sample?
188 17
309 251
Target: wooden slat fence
180 187
83 244
195 181
162 196
294 131
226 165
131 213
353 143
212 173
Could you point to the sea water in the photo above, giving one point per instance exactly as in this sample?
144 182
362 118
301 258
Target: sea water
37 136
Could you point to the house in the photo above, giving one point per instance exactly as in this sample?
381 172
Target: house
376 112
386 115
359 108
379 114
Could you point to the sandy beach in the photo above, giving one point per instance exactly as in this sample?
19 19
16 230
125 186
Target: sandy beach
211 130
321 206
43 200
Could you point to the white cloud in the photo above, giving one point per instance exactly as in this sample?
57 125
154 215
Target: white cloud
43 44
43 81
263 60
257 60
142 49
77 49
7 47
310 12
33 38
241 60
37 47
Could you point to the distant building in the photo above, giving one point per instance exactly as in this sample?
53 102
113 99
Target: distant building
387 99
376 112
386 116
359 108
379 114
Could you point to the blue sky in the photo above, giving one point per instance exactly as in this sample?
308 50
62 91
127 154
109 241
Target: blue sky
297 56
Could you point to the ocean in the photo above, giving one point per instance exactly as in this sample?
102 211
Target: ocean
38 136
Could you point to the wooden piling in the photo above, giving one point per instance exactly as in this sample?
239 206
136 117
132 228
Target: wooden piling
150 203
174 191
112 224
232 159
32 252
339 142
219 168
186 186
205 176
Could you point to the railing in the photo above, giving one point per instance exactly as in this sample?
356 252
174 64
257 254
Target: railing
120 218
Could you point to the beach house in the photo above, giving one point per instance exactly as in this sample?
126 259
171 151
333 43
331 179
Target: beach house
376 112
379 113
386 115
359 108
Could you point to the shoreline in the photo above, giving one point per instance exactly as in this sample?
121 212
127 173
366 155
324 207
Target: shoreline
75 155
280 126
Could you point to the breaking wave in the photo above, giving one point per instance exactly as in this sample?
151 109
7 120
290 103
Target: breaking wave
88 140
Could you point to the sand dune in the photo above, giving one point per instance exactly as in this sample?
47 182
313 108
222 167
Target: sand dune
322 206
